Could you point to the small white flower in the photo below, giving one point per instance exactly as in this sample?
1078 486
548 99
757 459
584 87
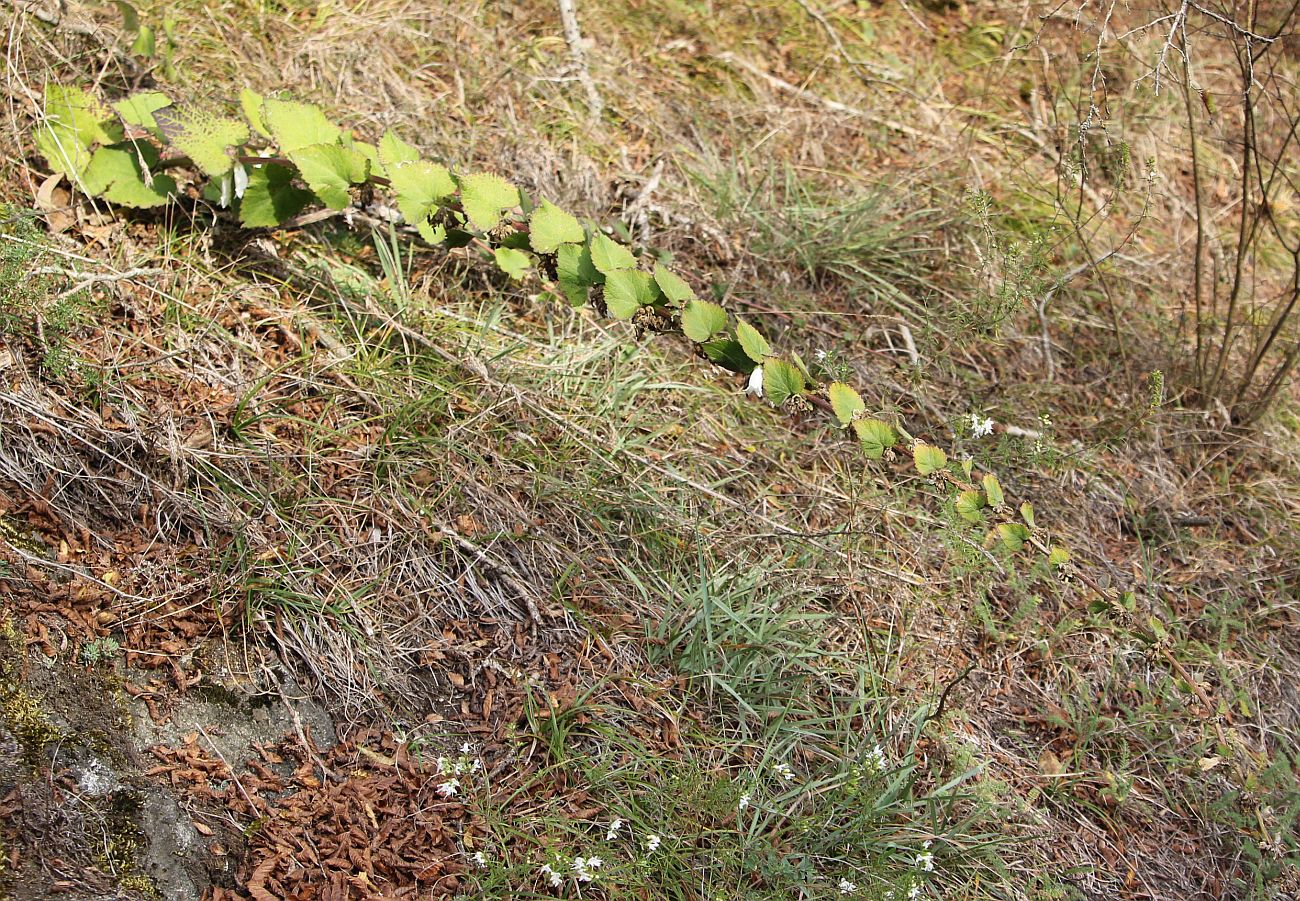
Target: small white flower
440 765
783 770
466 748
241 180
449 788
847 888
652 843
876 759
744 801
980 427
552 877
821 358
755 386
914 891
479 860
925 860
582 867
476 766
613 829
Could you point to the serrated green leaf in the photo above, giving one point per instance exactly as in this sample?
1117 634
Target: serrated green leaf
294 126
727 353
485 197
549 227
969 504
420 188
1027 514
627 290
966 466
251 103
1013 535
751 339
514 263
702 320
928 458
876 436
393 152
1058 557
115 174
67 106
845 402
674 288
271 198
610 256
993 488
203 136
575 272
781 380
328 170
74 123
138 109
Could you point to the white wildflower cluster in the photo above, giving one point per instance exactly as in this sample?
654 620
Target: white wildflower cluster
847 888
480 860
552 877
744 801
613 829
925 860
783 770
584 868
980 427
876 760
464 765
652 843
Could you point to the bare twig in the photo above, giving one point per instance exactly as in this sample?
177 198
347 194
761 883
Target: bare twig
573 35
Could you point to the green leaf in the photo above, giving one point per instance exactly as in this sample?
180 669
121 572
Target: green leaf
966 466
145 43
1013 535
138 109
328 170
876 436
484 197
674 288
993 489
549 227
294 126
393 152
1058 557
251 103
420 188
928 458
727 353
514 263
74 123
575 272
627 290
845 402
115 174
781 380
609 255
203 136
754 343
969 504
271 198
130 18
702 320
371 153
1027 514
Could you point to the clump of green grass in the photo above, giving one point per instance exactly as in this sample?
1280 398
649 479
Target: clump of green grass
781 779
